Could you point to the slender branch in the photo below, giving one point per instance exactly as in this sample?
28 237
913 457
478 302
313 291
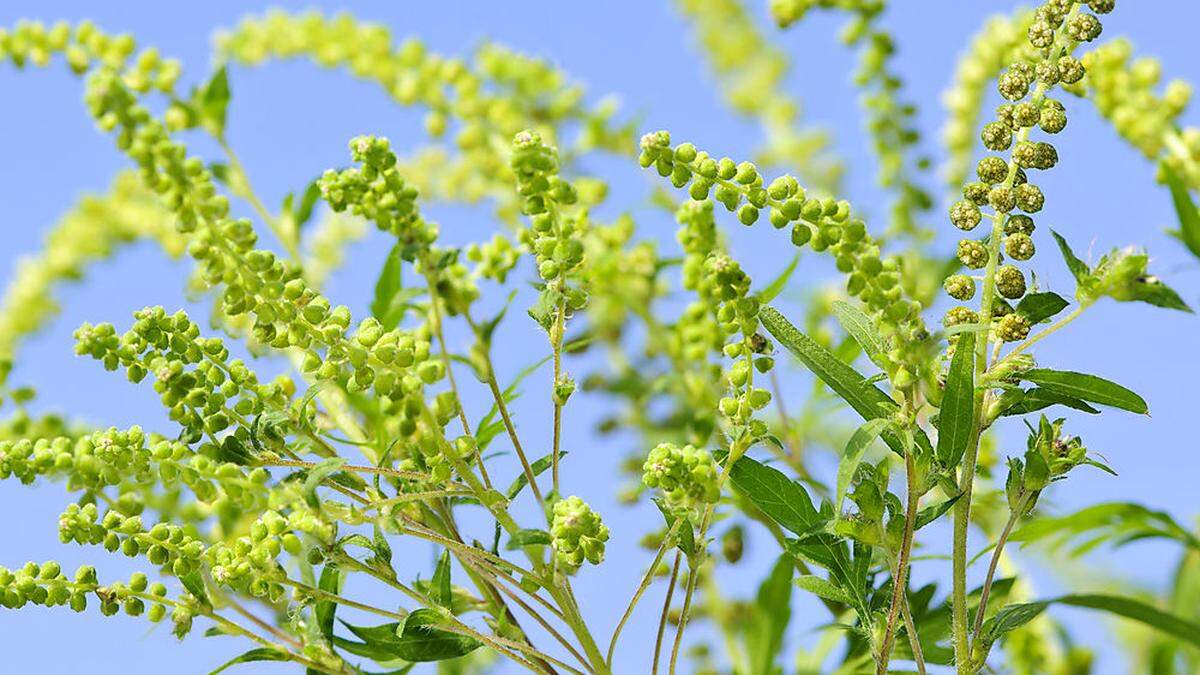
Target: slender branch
246 191
557 341
901 576
541 621
997 551
649 576
693 577
914 639
1048 331
441 338
666 610
509 427
356 468
237 607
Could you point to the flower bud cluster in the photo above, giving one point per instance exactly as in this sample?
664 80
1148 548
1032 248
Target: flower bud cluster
1123 89
1057 28
752 74
556 234
480 103
249 564
1001 41
46 584
166 545
203 389
823 224
377 192
579 534
285 310
687 475
93 230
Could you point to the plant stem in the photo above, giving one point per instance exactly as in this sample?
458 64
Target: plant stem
649 576
557 341
240 185
434 302
1013 516
509 427
693 578
384 471
666 610
914 639
962 510
1048 331
901 576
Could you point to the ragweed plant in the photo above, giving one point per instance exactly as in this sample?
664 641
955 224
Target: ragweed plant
261 504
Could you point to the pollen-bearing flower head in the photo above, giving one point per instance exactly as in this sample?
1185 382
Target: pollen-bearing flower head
687 475
578 534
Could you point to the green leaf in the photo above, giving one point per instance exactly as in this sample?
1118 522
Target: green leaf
1152 291
317 474
538 465
421 640
934 511
259 654
523 538
1038 307
956 419
1114 523
856 447
685 538
1185 208
866 399
779 497
440 587
416 639
860 327
1088 388
1014 616
388 284
780 282
772 612
1038 398
822 589
194 584
1079 269
213 101
303 212
324 610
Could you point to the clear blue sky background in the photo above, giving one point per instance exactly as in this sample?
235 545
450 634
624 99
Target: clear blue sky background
291 121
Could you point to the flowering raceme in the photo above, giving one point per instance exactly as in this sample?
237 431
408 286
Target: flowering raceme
307 449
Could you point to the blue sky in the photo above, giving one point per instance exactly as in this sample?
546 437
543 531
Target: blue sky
291 121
